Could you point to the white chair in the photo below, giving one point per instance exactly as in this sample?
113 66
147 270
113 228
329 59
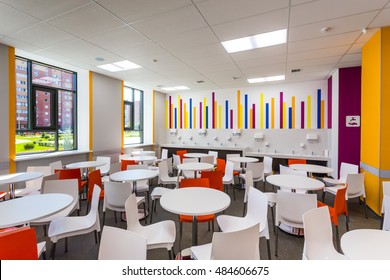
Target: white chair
65 227
235 245
207 159
267 165
55 176
257 171
176 162
121 244
345 169
256 213
215 155
237 166
289 210
385 191
114 167
55 165
65 186
158 235
355 189
248 184
289 171
188 174
164 155
33 186
104 169
386 221
228 179
115 196
124 156
163 179
318 236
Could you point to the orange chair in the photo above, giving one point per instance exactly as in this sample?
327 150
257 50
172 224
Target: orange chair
215 179
94 178
2 195
181 153
18 244
126 162
74 173
339 208
194 182
296 161
221 165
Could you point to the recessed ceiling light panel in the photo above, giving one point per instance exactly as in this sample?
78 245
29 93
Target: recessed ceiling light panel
119 66
266 79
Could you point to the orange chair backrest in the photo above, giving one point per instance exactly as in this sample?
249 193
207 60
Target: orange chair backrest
215 179
340 204
126 162
194 182
296 161
181 153
74 173
94 178
221 165
18 244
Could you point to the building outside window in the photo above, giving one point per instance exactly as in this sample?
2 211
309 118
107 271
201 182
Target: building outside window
43 93
133 116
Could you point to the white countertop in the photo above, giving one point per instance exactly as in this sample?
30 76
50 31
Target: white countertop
285 155
186 146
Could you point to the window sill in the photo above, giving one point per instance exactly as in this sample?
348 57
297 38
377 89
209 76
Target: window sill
49 155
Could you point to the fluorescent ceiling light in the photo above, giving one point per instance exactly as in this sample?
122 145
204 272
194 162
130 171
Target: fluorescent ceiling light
267 79
257 41
175 88
119 66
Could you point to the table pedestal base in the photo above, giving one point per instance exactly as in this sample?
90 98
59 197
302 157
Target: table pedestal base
291 230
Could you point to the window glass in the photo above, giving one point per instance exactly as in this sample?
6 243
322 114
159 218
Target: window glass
133 116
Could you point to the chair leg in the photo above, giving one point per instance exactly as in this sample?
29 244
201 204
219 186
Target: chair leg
44 255
234 193
87 209
180 234
151 211
244 210
337 238
169 254
323 196
96 237
44 230
273 219
276 241
269 249
104 217
53 250
365 208
208 226
382 219
212 225
347 223
145 214
66 244
115 217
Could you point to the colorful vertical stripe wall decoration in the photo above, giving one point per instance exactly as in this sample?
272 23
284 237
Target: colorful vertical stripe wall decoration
261 110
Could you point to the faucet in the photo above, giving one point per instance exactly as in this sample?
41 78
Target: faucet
275 151
292 151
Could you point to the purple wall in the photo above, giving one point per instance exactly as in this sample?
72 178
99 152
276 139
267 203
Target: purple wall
349 104
330 102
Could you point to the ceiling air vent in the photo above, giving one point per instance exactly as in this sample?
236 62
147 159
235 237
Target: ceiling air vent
200 82
296 70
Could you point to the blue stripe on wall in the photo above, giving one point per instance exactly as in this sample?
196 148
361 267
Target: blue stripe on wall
290 117
175 117
267 115
190 112
226 114
207 116
246 110
318 108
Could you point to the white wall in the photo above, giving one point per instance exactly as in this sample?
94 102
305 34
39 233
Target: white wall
160 131
334 152
4 114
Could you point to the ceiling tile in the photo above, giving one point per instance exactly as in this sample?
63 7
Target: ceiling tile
168 24
19 44
233 9
144 49
383 19
260 53
351 57
74 48
270 60
117 38
328 52
12 20
252 25
204 51
44 10
136 10
42 35
264 71
330 9
83 22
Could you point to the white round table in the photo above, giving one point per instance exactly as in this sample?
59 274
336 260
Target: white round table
366 244
33 207
143 153
14 178
195 155
243 160
295 182
195 166
85 164
142 158
312 168
194 201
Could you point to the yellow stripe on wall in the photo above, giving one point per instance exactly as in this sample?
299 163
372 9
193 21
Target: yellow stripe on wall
322 113
204 112
178 111
250 118
261 111
185 116
272 113
241 110
166 114
284 115
91 115
309 112
12 108
194 119
238 109
220 116
293 111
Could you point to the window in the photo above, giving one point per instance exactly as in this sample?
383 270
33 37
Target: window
43 93
133 116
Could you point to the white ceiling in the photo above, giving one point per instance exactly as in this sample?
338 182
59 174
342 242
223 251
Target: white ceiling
178 42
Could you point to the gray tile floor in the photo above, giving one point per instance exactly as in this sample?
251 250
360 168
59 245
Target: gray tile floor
290 246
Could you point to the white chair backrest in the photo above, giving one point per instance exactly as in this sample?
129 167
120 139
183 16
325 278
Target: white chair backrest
287 170
121 244
104 169
291 206
248 183
355 184
386 221
124 156
132 218
176 160
257 170
347 168
66 186
163 170
92 217
207 159
236 245
258 209
386 191
170 164
267 165
116 193
215 155
46 170
164 154
318 234
55 165
229 169
137 166
236 164
55 176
